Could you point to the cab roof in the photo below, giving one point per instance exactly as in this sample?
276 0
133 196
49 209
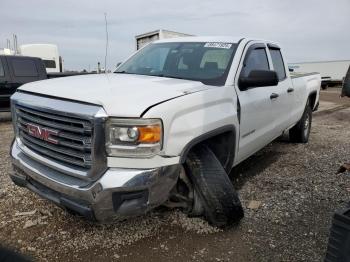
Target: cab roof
224 39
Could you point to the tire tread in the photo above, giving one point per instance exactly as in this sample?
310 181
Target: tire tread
221 202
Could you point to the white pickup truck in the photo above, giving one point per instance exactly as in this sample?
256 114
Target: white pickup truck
166 128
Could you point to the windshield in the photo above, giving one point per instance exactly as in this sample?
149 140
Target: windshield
205 62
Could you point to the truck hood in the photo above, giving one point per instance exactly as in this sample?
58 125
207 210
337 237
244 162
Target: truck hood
122 95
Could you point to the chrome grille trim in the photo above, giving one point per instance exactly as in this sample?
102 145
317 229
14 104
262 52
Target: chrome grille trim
58 118
79 134
64 139
34 116
64 155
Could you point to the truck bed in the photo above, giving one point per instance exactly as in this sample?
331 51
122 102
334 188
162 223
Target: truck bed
297 75
312 82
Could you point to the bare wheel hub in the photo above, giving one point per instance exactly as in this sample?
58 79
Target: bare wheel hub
306 125
185 196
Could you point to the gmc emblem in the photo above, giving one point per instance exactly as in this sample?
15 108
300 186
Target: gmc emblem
42 133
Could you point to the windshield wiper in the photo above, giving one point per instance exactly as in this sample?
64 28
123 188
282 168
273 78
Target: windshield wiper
123 72
156 75
169 76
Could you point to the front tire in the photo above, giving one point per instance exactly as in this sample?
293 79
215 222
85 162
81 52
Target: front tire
300 133
220 201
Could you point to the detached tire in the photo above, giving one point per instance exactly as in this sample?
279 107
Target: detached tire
220 201
301 131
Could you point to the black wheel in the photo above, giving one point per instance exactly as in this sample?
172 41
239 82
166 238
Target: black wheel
218 198
301 131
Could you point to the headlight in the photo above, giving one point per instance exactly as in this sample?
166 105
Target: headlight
134 137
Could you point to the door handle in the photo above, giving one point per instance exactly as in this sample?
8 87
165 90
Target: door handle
274 96
290 90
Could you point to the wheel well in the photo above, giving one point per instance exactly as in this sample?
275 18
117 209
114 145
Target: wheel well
312 100
221 144
223 148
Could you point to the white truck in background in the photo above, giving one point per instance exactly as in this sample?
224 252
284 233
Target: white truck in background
167 127
146 38
332 72
47 52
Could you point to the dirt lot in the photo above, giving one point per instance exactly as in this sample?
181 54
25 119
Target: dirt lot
296 184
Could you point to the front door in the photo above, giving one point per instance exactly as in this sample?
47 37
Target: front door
257 106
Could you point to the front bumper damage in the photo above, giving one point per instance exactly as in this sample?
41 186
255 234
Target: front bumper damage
119 193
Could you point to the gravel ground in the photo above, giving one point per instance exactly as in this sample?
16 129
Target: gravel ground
292 191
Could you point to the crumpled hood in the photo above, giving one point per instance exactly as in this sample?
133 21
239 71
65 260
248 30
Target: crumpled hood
123 95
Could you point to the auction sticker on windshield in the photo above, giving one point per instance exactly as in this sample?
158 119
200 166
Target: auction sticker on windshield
218 45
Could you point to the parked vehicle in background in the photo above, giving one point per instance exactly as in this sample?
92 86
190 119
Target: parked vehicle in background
167 127
332 72
47 52
346 84
16 71
146 38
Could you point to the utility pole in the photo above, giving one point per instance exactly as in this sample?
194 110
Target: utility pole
15 44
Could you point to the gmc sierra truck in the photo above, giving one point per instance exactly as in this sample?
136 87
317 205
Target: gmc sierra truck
165 128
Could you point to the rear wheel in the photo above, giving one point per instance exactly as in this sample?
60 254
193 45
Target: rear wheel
213 188
301 131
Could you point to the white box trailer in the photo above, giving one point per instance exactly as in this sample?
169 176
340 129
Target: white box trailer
6 51
332 72
47 52
146 38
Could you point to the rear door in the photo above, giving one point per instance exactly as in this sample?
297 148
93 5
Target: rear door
285 91
257 108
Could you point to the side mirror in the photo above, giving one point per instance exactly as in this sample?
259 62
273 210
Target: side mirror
346 85
258 78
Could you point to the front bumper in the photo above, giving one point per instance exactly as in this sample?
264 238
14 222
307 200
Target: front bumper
119 193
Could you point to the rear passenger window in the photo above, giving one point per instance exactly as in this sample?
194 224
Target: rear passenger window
2 72
256 60
278 64
22 67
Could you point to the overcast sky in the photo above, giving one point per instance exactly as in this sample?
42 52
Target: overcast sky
307 30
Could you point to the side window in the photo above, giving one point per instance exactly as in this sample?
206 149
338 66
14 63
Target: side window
278 64
24 68
256 60
2 72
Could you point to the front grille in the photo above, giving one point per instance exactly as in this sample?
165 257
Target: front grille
72 136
